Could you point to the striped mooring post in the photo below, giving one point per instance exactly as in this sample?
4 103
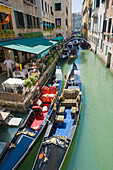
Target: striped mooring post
37 85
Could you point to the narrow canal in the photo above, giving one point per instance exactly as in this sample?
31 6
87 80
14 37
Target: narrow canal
92 147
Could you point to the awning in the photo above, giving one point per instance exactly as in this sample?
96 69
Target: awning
38 45
59 38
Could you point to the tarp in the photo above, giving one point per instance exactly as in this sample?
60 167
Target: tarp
37 45
59 39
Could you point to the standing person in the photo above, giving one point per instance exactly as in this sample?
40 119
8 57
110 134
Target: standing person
9 63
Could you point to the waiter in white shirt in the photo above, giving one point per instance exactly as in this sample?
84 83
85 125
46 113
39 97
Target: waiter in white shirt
9 63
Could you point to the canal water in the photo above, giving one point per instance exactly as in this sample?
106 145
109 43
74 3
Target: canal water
92 146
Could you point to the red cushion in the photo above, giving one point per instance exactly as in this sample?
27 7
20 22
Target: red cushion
36 124
45 90
38 121
45 99
52 90
46 104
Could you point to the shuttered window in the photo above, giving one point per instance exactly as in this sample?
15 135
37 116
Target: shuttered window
109 25
104 25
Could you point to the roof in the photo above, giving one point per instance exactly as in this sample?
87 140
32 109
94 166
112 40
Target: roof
59 38
37 45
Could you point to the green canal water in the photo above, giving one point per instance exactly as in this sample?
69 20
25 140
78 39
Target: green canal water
92 146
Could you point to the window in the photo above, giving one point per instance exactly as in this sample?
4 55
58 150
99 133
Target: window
57 6
34 22
38 22
66 10
102 1
46 6
51 11
107 4
42 5
66 22
109 25
19 19
3 16
104 25
106 49
103 48
29 20
97 3
31 1
35 2
58 21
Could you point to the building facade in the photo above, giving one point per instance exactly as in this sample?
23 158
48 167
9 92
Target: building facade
86 18
76 22
102 30
23 19
50 17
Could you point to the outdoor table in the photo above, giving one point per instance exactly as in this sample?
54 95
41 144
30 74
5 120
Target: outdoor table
11 84
20 73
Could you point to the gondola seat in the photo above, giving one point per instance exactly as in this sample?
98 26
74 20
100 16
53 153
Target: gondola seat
59 118
61 110
38 121
73 110
70 97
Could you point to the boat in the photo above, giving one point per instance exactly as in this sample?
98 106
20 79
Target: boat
76 44
62 126
65 54
84 45
33 125
70 45
73 53
8 119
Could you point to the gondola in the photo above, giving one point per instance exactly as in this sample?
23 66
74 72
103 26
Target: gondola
73 54
34 124
64 54
84 45
62 126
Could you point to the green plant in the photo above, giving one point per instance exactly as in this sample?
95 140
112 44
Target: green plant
63 44
31 35
28 82
58 52
58 26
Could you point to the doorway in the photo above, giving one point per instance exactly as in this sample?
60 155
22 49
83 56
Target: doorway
108 60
